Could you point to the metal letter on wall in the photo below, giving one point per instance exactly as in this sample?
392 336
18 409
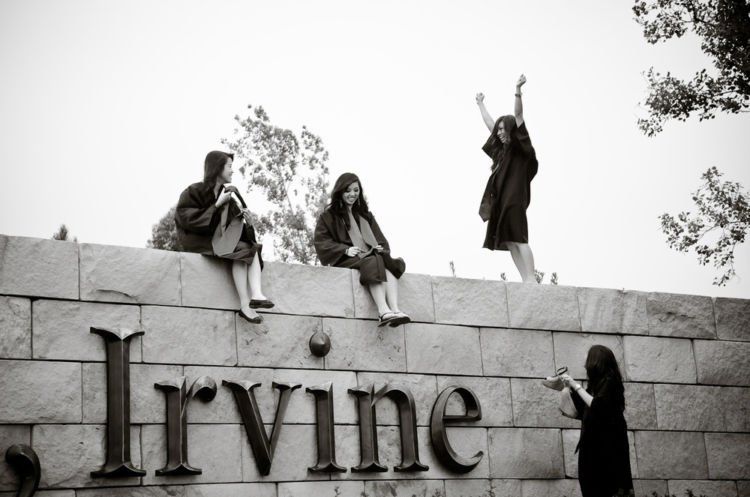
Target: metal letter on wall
25 462
177 400
325 430
118 460
368 432
263 448
443 450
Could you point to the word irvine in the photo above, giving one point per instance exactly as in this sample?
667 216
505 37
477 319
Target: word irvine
178 395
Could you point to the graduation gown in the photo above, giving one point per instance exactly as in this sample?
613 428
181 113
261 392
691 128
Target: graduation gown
197 220
603 450
332 240
508 191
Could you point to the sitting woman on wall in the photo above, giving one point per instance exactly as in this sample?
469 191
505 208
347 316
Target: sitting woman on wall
347 235
213 219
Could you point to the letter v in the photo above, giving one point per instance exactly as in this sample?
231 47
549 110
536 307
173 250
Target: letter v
263 448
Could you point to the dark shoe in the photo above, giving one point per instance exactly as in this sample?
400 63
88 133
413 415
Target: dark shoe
256 320
400 319
387 318
261 304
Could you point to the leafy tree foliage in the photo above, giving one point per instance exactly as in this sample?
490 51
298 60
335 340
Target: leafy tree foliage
290 170
63 234
723 27
164 233
722 218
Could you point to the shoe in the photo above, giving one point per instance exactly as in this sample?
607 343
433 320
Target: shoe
555 382
256 320
401 319
261 304
387 318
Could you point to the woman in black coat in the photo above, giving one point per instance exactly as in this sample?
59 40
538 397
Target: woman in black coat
603 451
347 235
508 191
213 219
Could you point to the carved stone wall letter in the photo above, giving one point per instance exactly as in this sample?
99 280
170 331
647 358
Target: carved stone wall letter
325 430
443 450
118 460
25 463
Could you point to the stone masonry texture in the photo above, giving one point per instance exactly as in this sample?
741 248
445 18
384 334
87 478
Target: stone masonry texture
685 360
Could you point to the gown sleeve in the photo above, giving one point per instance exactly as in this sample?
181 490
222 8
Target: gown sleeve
329 250
605 403
192 213
578 402
528 149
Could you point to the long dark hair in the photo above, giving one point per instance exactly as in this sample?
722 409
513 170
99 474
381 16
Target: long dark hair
601 365
494 146
214 165
337 206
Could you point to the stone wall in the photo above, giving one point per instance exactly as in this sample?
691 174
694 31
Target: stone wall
686 360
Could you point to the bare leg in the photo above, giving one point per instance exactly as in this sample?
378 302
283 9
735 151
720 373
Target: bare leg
239 275
253 276
391 291
377 290
524 260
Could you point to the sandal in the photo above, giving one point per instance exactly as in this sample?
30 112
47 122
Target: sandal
383 320
402 318
554 382
255 320
261 304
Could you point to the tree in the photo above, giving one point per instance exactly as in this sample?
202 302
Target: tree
723 27
290 170
723 212
63 234
164 233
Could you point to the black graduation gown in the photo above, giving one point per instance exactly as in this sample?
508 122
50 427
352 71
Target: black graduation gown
508 191
603 450
197 217
332 240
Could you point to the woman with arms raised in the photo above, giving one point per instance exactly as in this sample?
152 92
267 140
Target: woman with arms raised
508 191
213 219
347 235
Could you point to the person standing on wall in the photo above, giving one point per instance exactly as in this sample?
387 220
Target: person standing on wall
213 219
603 450
508 191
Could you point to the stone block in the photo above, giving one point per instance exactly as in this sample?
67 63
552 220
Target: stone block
732 319
130 275
15 328
71 452
470 302
44 493
571 350
279 341
62 330
525 453
646 488
613 311
690 316
207 282
295 451
181 335
505 488
517 353
702 408
422 387
550 488
722 363
147 404
404 488
570 441
153 491
434 348
40 392
703 487
743 488
322 489
657 359
493 394
663 454
213 448
309 290
470 488
728 455
231 490
543 307
38 267
361 345
640 408
11 435
414 298
535 405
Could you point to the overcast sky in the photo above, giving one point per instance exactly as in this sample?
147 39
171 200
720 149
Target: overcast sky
107 109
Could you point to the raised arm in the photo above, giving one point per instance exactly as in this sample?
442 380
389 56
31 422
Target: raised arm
486 117
518 108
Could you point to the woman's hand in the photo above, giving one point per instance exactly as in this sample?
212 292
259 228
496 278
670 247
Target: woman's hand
353 251
378 248
480 98
247 216
521 81
224 197
568 381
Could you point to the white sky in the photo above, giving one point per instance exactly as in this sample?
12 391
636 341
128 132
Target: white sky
107 110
